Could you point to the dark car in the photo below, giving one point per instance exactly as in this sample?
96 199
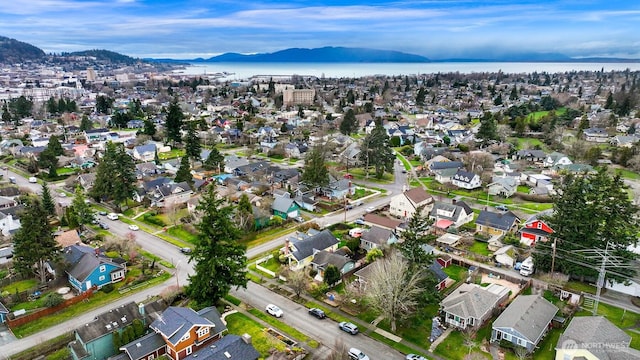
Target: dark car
317 313
185 250
103 213
103 226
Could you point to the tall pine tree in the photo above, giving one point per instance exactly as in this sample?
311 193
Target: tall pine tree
115 176
315 172
184 171
47 200
173 124
192 145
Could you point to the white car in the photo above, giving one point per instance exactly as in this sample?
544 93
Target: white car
273 310
112 216
356 354
370 209
133 227
33 180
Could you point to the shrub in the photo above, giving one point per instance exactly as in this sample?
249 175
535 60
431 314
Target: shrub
53 299
314 272
107 288
318 289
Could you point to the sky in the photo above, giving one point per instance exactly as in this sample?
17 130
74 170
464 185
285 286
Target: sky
436 29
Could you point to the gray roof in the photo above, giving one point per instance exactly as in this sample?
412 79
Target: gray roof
529 315
230 347
325 258
503 221
141 149
175 322
282 204
464 176
436 270
455 209
109 321
471 301
212 314
144 345
88 263
318 242
438 165
377 235
599 336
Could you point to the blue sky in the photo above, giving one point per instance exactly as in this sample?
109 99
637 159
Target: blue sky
436 29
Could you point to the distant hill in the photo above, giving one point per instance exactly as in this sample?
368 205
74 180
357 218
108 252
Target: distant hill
12 50
104 55
322 55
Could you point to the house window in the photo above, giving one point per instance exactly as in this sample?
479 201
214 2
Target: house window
539 225
185 337
203 331
101 278
506 336
151 357
103 268
189 350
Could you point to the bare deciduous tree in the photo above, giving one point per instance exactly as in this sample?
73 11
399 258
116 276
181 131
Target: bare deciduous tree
392 289
339 351
297 281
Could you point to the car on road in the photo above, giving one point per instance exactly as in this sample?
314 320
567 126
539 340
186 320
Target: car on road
317 313
358 203
12 179
103 213
415 357
33 180
356 354
299 219
359 221
502 208
348 327
404 171
133 227
371 209
185 250
273 310
112 216
103 226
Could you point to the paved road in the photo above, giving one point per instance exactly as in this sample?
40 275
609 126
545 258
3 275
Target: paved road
324 331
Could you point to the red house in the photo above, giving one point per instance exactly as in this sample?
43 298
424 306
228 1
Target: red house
535 231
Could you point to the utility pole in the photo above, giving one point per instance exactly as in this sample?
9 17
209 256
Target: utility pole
553 256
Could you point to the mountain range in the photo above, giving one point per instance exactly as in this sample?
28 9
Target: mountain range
12 51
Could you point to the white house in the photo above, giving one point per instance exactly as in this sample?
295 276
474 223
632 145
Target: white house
404 205
466 180
146 152
556 158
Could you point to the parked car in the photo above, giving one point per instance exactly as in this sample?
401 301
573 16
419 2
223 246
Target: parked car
112 216
12 179
299 219
185 250
103 225
502 208
348 176
371 209
359 221
133 227
415 357
356 354
317 313
358 203
103 213
33 180
273 310
348 327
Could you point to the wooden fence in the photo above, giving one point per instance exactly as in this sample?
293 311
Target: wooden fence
13 322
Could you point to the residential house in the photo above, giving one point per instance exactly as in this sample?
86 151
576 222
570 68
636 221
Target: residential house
555 159
295 150
624 140
444 176
186 332
285 207
443 163
471 305
91 269
3 313
440 276
148 347
146 169
96 135
232 162
301 248
377 237
86 180
382 221
171 194
404 205
466 180
135 124
338 188
535 231
456 214
505 256
503 186
145 153
324 258
8 224
534 156
496 224
94 340
598 135
594 337
524 322
228 348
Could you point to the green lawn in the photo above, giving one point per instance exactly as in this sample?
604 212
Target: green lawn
523 189
296 334
546 350
456 272
239 324
580 287
174 153
181 233
20 286
619 317
454 348
480 248
628 174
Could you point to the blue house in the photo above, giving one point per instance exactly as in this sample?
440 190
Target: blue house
90 268
3 313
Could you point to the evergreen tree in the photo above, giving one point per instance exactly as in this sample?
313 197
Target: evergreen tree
192 144
55 146
85 123
315 172
34 244
215 160
591 211
488 129
115 176
415 236
331 275
174 123
349 123
220 260
82 211
184 171
421 96
149 128
47 200
376 151
47 159
52 106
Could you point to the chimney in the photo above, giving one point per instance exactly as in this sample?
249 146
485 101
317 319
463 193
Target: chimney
246 338
454 201
141 309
